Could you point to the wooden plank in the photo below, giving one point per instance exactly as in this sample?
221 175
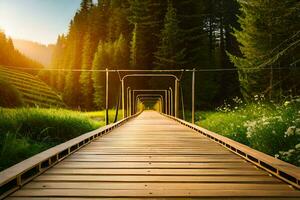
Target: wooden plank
155 178
155 186
153 198
159 157
168 198
203 148
152 158
152 193
151 152
150 165
190 172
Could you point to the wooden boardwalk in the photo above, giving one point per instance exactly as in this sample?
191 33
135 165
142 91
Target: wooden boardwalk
153 156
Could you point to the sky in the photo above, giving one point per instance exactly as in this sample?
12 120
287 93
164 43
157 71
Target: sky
37 20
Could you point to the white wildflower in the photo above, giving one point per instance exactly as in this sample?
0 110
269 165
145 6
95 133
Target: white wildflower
290 131
266 123
297 146
286 103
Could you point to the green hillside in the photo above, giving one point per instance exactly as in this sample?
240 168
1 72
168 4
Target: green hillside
34 92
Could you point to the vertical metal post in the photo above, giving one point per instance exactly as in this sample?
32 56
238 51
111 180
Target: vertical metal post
176 98
133 103
106 98
169 93
193 96
182 103
172 106
137 103
166 102
123 98
129 100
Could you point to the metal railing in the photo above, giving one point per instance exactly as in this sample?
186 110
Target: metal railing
283 170
16 176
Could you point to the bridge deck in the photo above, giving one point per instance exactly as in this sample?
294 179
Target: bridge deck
153 156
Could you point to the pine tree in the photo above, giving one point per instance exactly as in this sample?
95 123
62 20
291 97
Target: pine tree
170 52
147 19
85 76
85 5
121 53
220 20
78 30
117 23
102 60
60 79
260 33
57 77
192 14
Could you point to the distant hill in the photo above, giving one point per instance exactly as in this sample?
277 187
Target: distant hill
10 56
33 91
35 51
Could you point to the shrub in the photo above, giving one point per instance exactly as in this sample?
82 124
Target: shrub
268 127
9 96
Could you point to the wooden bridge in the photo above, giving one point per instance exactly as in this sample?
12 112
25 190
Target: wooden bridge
152 156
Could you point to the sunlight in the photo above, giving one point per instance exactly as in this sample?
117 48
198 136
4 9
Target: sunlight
6 25
38 21
10 25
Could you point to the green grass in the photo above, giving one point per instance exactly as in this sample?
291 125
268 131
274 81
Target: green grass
33 91
27 131
100 115
270 128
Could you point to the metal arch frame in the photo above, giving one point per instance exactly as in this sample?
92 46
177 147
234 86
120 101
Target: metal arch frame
142 100
177 80
130 99
170 93
146 75
150 90
158 100
134 106
152 99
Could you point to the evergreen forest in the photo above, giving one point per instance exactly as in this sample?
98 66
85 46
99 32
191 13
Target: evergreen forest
241 48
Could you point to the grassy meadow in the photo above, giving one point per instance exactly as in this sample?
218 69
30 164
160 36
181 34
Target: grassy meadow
25 132
270 128
100 115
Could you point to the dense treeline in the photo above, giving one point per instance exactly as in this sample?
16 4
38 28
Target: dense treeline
9 56
269 41
203 34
